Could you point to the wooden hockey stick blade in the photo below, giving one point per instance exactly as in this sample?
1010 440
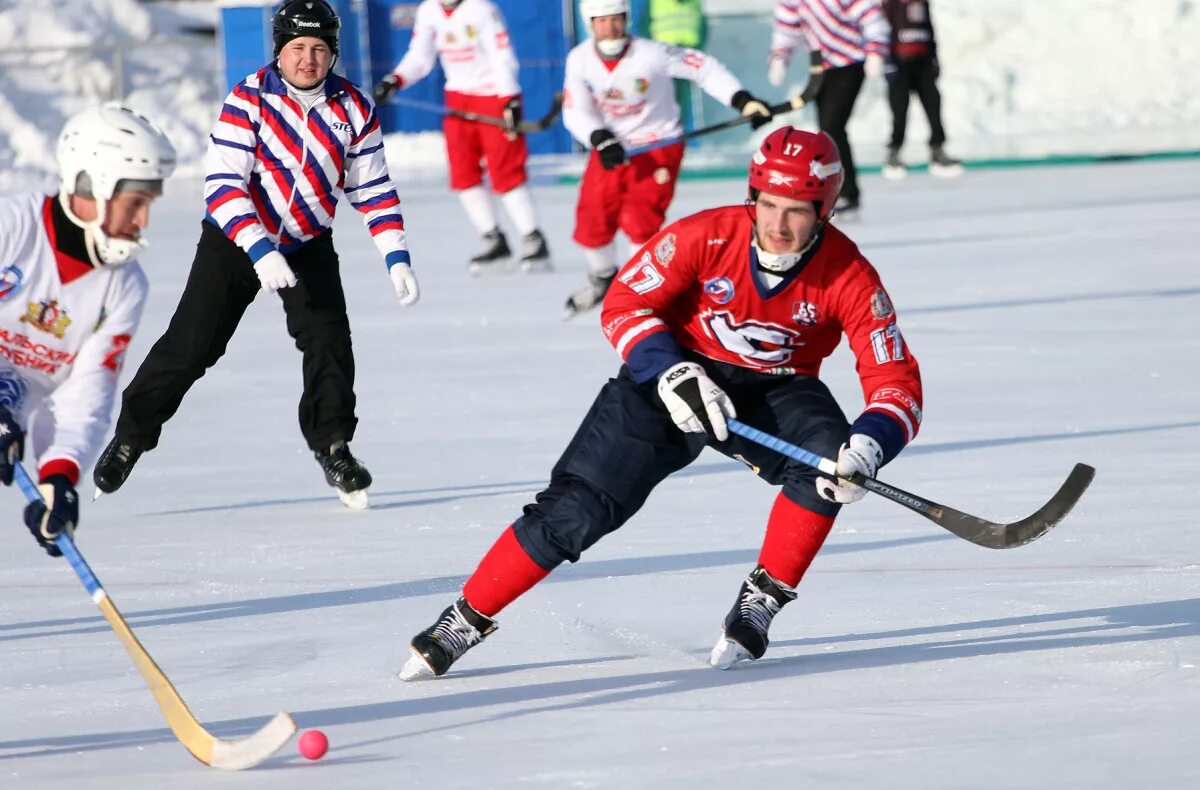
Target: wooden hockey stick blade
990 534
232 755
547 120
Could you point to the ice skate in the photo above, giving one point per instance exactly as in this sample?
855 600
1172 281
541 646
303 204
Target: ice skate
435 649
535 255
943 165
495 258
345 473
846 208
114 466
588 296
744 636
893 167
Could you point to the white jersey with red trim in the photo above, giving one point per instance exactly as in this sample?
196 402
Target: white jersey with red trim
634 96
472 42
64 330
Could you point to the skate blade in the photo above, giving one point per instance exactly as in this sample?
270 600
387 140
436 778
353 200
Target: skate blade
539 266
944 171
726 653
355 500
499 267
415 668
895 173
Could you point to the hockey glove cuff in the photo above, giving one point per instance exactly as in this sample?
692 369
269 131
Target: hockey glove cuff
59 511
694 401
861 455
12 445
611 154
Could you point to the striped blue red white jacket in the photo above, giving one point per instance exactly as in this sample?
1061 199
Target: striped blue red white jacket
275 170
845 31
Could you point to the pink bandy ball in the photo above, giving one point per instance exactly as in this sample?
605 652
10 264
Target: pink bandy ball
313 744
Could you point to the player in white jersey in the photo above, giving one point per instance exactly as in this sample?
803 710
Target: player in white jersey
618 94
71 296
471 40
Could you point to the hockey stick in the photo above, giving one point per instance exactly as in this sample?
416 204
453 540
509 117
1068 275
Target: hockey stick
230 755
988 534
816 77
525 127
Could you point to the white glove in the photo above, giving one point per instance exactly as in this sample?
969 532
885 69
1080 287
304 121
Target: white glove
873 66
273 272
696 403
405 283
777 65
862 455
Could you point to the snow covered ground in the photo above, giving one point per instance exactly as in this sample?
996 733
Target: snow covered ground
1055 313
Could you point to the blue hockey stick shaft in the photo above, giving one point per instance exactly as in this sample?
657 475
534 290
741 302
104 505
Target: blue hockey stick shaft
780 446
62 540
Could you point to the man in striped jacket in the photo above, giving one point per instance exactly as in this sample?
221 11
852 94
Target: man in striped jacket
854 37
291 138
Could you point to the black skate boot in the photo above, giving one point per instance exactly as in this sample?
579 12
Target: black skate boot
893 166
745 633
942 165
495 255
590 295
345 473
114 466
846 207
435 649
535 256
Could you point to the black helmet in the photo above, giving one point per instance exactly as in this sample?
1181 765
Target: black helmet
299 18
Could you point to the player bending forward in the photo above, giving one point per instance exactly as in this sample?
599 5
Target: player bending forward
729 312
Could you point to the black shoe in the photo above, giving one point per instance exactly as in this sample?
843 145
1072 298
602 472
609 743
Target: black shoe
495 252
589 295
942 164
893 166
342 470
114 466
759 600
456 631
846 205
535 254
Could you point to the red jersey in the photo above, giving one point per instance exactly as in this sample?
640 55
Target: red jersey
694 285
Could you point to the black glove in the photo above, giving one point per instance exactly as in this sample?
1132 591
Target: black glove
745 103
513 115
59 511
386 88
611 153
12 445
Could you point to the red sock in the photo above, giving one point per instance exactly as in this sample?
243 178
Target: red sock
794 536
504 574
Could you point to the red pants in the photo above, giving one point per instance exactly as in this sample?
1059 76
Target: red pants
470 142
633 197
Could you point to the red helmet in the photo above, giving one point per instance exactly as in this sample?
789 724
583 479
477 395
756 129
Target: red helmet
797 164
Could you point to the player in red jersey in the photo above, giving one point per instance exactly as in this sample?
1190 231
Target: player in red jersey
729 312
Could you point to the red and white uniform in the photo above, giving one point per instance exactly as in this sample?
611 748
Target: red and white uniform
695 286
481 69
64 329
634 98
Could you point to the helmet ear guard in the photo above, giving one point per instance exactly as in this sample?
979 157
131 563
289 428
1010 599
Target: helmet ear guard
104 150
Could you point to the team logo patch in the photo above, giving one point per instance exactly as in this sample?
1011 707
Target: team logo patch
12 390
48 317
664 251
614 94
662 175
806 314
11 280
451 38
881 305
778 179
719 289
641 85
472 33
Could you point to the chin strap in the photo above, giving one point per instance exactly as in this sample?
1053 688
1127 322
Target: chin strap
612 48
102 250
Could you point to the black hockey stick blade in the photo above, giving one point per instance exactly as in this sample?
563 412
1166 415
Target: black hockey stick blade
990 534
547 120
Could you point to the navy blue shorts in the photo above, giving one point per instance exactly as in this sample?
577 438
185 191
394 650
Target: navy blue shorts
628 444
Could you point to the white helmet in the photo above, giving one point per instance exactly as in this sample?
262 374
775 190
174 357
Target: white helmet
590 9
99 149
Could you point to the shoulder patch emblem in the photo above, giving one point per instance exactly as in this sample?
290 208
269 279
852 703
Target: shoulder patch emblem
11 280
664 251
719 289
881 305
